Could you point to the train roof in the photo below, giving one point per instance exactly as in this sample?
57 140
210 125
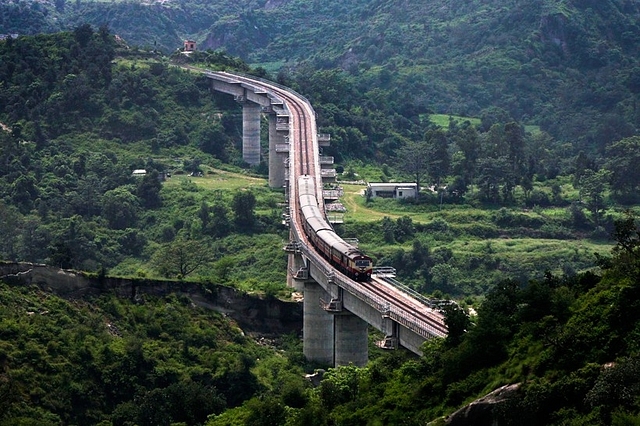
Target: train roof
308 200
306 186
318 224
332 239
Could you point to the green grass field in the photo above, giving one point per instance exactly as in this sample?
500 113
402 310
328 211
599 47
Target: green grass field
473 235
442 120
216 179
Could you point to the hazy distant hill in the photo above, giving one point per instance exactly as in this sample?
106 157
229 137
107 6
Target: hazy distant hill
568 65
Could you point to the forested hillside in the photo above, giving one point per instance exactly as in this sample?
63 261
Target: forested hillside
75 127
153 361
567 345
568 66
81 112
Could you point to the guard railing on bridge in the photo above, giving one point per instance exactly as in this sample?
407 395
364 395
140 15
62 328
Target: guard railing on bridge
401 316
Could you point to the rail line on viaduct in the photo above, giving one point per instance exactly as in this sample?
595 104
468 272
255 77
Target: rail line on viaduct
337 310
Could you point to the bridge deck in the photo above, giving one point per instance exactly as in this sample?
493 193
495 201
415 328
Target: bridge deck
304 158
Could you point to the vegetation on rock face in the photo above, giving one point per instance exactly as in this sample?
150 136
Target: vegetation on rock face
154 362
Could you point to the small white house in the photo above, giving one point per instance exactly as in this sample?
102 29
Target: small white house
393 189
139 172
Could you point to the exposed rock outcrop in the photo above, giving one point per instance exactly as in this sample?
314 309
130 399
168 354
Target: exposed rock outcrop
481 412
264 316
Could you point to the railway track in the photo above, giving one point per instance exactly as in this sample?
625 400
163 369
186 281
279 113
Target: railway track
401 306
402 301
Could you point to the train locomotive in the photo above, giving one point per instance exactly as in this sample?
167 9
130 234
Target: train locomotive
347 258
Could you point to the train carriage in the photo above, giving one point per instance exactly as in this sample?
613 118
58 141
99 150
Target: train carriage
348 259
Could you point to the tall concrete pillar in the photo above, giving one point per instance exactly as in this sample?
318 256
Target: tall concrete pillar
317 328
276 159
294 263
251 132
290 266
351 340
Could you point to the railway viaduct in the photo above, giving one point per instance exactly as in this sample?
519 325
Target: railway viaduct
337 310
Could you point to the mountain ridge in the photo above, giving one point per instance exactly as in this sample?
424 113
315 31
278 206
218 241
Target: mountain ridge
568 66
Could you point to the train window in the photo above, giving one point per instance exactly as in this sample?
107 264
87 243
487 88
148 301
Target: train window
362 263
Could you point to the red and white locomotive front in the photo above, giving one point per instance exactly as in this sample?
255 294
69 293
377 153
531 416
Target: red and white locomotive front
361 267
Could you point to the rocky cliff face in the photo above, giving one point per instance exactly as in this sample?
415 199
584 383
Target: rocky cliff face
481 412
263 316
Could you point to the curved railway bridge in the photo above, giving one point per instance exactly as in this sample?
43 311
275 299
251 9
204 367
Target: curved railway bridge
337 310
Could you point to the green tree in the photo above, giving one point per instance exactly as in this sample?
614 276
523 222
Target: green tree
185 402
439 160
213 140
219 225
148 190
243 206
413 160
404 229
24 191
623 158
204 214
88 195
582 163
465 166
592 187
515 141
83 34
492 116
120 208
180 257
388 230
491 176
10 224
33 240
340 385
73 245
457 321
266 412
626 253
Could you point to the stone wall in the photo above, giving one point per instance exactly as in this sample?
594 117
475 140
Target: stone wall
265 316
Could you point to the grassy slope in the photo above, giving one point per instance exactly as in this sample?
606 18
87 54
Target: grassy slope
512 251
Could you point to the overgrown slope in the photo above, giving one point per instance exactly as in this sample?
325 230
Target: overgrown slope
568 343
75 127
152 362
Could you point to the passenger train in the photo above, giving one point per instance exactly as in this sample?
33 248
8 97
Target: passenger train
347 258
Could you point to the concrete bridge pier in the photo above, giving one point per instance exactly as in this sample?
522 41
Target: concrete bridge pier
317 331
298 272
351 340
278 151
331 334
251 132
390 330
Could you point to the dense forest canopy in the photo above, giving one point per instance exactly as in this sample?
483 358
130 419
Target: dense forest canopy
81 112
73 135
570 67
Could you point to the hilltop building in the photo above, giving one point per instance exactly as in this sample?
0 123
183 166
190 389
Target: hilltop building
189 45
